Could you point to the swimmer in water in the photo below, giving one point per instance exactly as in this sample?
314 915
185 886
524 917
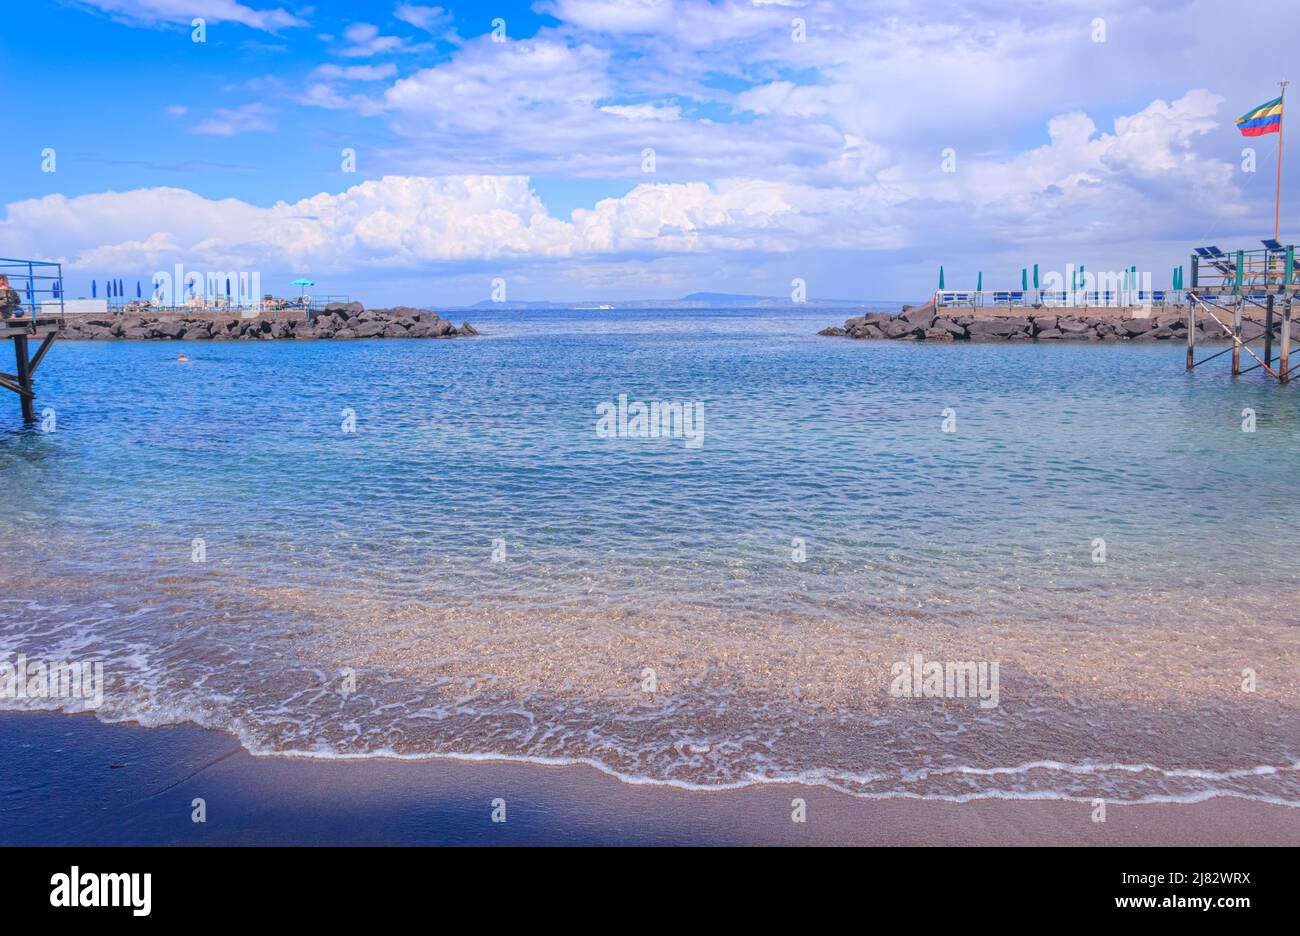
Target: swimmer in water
182 358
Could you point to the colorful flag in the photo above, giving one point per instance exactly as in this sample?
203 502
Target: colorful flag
1267 118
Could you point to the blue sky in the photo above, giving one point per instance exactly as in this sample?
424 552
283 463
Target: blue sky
1093 131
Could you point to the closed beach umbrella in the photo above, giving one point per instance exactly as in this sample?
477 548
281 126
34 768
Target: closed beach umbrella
94 293
1035 275
138 293
1024 278
941 277
979 282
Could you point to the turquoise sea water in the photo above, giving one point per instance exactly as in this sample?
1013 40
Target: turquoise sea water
475 571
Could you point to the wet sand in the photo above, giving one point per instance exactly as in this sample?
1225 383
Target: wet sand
70 780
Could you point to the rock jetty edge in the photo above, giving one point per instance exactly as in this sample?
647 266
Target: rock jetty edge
339 321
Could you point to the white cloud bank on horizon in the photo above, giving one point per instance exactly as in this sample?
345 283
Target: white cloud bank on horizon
1119 185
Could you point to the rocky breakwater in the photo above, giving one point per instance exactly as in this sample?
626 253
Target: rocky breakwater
339 322
926 323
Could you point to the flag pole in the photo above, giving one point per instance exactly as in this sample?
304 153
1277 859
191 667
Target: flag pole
1277 204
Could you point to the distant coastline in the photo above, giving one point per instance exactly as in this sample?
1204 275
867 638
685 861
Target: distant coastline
697 300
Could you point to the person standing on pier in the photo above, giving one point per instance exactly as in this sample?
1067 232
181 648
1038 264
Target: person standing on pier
10 304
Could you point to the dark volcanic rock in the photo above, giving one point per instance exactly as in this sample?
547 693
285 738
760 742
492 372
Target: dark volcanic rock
338 320
345 310
997 328
919 317
948 325
1071 325
899 328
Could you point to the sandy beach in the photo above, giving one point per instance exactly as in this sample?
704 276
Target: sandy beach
71 780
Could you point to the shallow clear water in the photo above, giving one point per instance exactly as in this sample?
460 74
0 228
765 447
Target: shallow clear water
635 563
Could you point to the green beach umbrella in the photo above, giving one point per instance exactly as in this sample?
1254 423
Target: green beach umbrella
941 277
979 283
304 283
1035 275
1024 278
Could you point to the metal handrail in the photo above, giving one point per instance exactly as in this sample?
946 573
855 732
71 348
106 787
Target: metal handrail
34 281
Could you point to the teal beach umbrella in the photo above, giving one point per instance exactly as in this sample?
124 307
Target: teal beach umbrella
941 277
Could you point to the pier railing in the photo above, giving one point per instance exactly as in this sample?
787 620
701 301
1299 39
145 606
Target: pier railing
39 284
199 306
1077 299
1272 270
318 303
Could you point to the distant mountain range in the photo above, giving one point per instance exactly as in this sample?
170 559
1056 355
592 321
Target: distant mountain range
697 300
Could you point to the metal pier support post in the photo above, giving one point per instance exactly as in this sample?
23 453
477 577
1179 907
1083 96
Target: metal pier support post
1191 335
1268 332
24 374
1236 339
1283 364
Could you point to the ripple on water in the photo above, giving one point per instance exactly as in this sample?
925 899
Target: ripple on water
372 552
